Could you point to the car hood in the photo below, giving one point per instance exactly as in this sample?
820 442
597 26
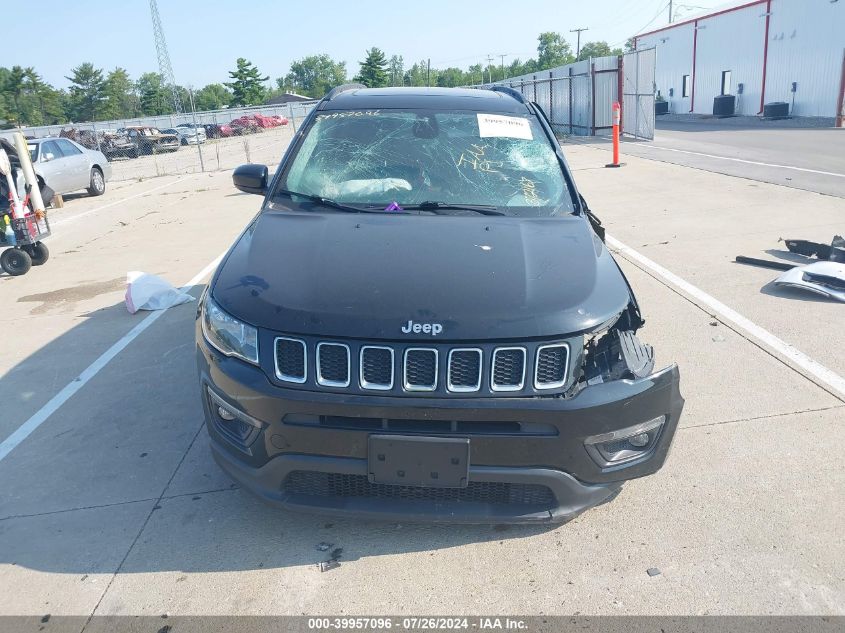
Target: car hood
366 276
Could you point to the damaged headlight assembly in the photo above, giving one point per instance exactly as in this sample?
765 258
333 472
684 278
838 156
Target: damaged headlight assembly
227 334
615 353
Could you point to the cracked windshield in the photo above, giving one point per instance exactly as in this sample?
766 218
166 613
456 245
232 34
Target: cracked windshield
378 157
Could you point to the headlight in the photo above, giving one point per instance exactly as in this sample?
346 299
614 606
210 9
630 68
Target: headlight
227 334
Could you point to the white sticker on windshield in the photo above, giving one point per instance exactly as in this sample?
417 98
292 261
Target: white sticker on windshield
497 125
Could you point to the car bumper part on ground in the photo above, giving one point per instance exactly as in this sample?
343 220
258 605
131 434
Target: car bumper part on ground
516 477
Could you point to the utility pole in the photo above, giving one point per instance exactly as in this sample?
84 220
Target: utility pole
578 47
196 131
670 11
428 73
503 55
489 68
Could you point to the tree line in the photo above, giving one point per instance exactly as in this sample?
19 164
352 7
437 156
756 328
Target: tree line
94 94
315 75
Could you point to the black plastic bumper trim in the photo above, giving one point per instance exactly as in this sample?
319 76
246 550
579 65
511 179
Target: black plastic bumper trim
573 497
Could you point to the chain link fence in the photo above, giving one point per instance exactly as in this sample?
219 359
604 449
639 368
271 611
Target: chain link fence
146 147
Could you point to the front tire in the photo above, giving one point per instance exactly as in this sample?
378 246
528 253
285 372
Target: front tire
38 253
98 183
15 261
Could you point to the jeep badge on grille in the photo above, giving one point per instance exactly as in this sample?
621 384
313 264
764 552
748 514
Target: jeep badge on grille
426 328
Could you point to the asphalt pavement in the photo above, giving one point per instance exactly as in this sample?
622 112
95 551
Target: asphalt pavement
781 153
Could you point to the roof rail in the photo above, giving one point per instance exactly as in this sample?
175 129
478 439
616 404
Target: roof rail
516 94
336 91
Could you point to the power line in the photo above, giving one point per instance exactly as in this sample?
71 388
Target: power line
651 21
657 15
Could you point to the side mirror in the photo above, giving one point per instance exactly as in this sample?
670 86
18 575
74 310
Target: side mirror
251 178
48 157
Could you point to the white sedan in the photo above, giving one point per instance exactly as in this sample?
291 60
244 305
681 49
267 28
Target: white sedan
66 166
188 134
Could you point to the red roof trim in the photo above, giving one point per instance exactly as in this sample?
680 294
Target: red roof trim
698 19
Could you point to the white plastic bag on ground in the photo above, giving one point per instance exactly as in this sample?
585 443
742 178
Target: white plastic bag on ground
150 292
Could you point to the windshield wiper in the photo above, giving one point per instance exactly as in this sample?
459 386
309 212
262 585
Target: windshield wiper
325 202
441 208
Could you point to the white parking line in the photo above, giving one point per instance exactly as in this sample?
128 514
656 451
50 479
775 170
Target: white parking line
748 162
40 416
824 375
73 218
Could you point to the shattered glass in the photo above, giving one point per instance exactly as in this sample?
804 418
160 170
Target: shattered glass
376 157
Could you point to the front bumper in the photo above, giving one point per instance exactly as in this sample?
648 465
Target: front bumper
506 469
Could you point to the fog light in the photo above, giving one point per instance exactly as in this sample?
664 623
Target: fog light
229 413
624 445
640 440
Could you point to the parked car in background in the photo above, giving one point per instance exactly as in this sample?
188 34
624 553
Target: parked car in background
115 144
214 130
245 125
150 140
188 135
251 123
65 165
224 130
112 143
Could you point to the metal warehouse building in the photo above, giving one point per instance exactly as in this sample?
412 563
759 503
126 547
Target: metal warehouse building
766 51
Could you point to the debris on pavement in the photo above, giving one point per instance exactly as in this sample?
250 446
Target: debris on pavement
824 277
330 564
764 263
823 273
653 571
333 559
835 251
151 292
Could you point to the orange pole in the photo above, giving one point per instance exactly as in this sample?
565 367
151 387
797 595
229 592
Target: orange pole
616 121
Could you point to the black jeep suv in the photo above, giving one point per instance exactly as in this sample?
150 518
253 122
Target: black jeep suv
423 322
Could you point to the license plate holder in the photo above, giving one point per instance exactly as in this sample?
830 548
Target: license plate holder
430 462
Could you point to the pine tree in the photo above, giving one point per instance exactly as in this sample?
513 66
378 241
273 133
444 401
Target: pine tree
155 97
246 85
120 100
373 73
87 92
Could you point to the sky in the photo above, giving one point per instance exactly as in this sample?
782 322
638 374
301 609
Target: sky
205 37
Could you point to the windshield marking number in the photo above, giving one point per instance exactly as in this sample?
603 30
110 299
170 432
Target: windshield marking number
346 114
529 189
478 162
